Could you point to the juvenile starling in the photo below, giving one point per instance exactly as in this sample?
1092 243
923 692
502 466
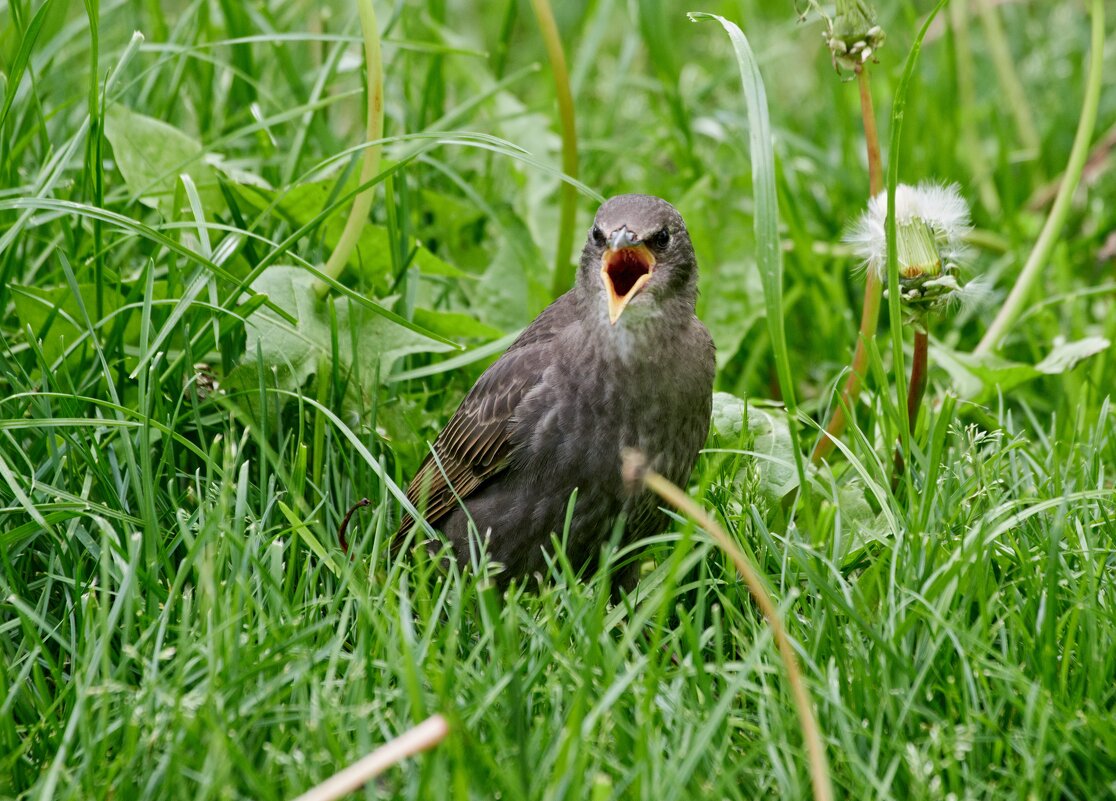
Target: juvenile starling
619 361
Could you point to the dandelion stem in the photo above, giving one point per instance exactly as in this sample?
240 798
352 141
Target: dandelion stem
915 392
919 366
871 135
870 314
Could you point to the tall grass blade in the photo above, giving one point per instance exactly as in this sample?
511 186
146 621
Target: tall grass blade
768 253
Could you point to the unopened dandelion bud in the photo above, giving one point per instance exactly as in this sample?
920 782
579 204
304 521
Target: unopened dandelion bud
853 34
919 257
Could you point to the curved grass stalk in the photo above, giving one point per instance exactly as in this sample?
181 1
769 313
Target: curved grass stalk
374 130
567 210
635 468
1013 306
768 252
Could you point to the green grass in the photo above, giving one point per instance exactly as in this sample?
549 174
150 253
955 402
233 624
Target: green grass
176 620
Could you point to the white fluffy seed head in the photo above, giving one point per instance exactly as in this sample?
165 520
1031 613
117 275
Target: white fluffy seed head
939 206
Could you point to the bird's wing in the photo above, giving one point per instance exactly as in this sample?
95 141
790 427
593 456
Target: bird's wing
477 442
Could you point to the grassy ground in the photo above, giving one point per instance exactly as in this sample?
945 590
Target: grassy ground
176 620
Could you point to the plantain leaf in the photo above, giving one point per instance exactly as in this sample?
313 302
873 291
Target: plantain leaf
979 376
367 343
772 448
54 315
151 154
516 286
1067 355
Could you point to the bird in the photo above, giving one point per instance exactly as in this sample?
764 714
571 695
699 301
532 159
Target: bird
619 361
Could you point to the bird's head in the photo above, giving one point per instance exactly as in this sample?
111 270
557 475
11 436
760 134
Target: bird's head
638 255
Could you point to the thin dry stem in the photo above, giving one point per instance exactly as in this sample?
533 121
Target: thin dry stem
873 289
421 738
871 135
635 468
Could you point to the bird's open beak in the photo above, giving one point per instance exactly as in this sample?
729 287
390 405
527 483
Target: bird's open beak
625 267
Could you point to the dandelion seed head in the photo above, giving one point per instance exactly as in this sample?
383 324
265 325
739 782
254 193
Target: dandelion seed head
939 206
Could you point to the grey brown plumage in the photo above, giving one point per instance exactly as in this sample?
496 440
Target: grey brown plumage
618 361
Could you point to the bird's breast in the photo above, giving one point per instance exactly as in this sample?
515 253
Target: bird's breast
603 394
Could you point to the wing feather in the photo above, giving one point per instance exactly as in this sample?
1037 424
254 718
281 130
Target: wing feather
478 442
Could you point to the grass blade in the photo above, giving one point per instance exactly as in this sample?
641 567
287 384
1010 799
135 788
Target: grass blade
768 253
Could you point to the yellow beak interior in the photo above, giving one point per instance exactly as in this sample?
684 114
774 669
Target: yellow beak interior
624 272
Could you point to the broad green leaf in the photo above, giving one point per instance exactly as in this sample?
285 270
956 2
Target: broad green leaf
730 301
459 227
774 466
774 450
516 286
301 203
771 444
730 413
429 264
37 306
151 154
370 343
1067 355
978 377
730 304
297 347
455 324
861 525
367 343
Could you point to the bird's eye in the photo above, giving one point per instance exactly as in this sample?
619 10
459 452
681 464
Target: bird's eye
598 236
659 239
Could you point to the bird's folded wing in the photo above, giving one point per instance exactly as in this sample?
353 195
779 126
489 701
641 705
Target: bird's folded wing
477 442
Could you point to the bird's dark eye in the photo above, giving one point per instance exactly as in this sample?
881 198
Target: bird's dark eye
598 236
660 239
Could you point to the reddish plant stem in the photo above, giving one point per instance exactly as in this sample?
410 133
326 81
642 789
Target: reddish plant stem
914 396
918 376
870 314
